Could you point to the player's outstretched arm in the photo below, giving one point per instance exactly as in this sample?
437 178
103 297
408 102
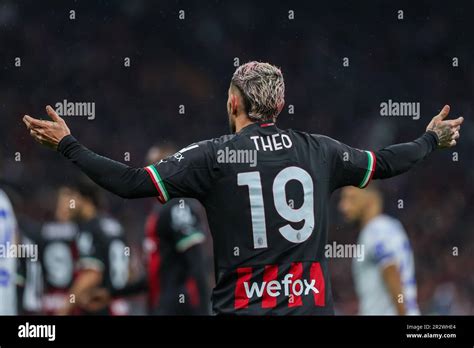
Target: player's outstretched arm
114 176
354 167
397 159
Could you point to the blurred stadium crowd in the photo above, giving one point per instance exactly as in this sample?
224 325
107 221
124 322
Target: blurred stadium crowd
175 91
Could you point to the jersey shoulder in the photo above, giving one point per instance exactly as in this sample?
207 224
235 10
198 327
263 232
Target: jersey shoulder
201 153
318 142
110 227
102 229
53 231
215 144
318 139
6 208
4 201
384 227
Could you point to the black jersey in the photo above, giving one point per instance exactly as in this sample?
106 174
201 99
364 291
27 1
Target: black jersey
177 275
102 247
57 255
266 192
30 289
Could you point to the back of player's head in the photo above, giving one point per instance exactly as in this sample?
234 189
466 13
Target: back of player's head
158 152
356 203
370 195
89 190
65 194
262 88
373 189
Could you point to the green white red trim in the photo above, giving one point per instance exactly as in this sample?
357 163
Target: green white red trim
163 196
370 169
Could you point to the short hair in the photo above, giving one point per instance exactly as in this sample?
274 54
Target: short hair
159 152
263 89
87 189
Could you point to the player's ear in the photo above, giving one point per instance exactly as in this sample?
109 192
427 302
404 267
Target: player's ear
280 107
233 104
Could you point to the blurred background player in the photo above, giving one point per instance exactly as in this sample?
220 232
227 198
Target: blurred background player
30 279
103 260
255 98
8 265
175 234
58 255
385 278
440 215
177 280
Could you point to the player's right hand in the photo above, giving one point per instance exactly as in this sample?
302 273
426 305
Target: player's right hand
48 133
446 130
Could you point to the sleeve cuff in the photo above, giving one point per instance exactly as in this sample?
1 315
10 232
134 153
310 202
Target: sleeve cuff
432 138
65 142
369 173
163 195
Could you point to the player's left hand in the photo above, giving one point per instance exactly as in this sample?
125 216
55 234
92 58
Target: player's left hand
446 130
48 133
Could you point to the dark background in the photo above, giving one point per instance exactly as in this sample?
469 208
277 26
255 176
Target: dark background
189 62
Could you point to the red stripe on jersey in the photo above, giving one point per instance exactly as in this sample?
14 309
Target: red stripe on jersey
154 261
160 196
374 165
193 292
316 273
263 125
269 274
244 274
294 300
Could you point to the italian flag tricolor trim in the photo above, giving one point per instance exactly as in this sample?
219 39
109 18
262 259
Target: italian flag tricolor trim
370 169
163 196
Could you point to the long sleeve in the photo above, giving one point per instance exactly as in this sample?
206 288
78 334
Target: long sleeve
351 166
113 176
396 159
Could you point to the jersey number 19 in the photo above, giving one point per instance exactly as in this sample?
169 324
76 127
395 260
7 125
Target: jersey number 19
304 212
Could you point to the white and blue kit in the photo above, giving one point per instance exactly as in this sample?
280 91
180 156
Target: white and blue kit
8 228
385 243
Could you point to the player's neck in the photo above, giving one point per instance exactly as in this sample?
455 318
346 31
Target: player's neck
370 214
241 122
